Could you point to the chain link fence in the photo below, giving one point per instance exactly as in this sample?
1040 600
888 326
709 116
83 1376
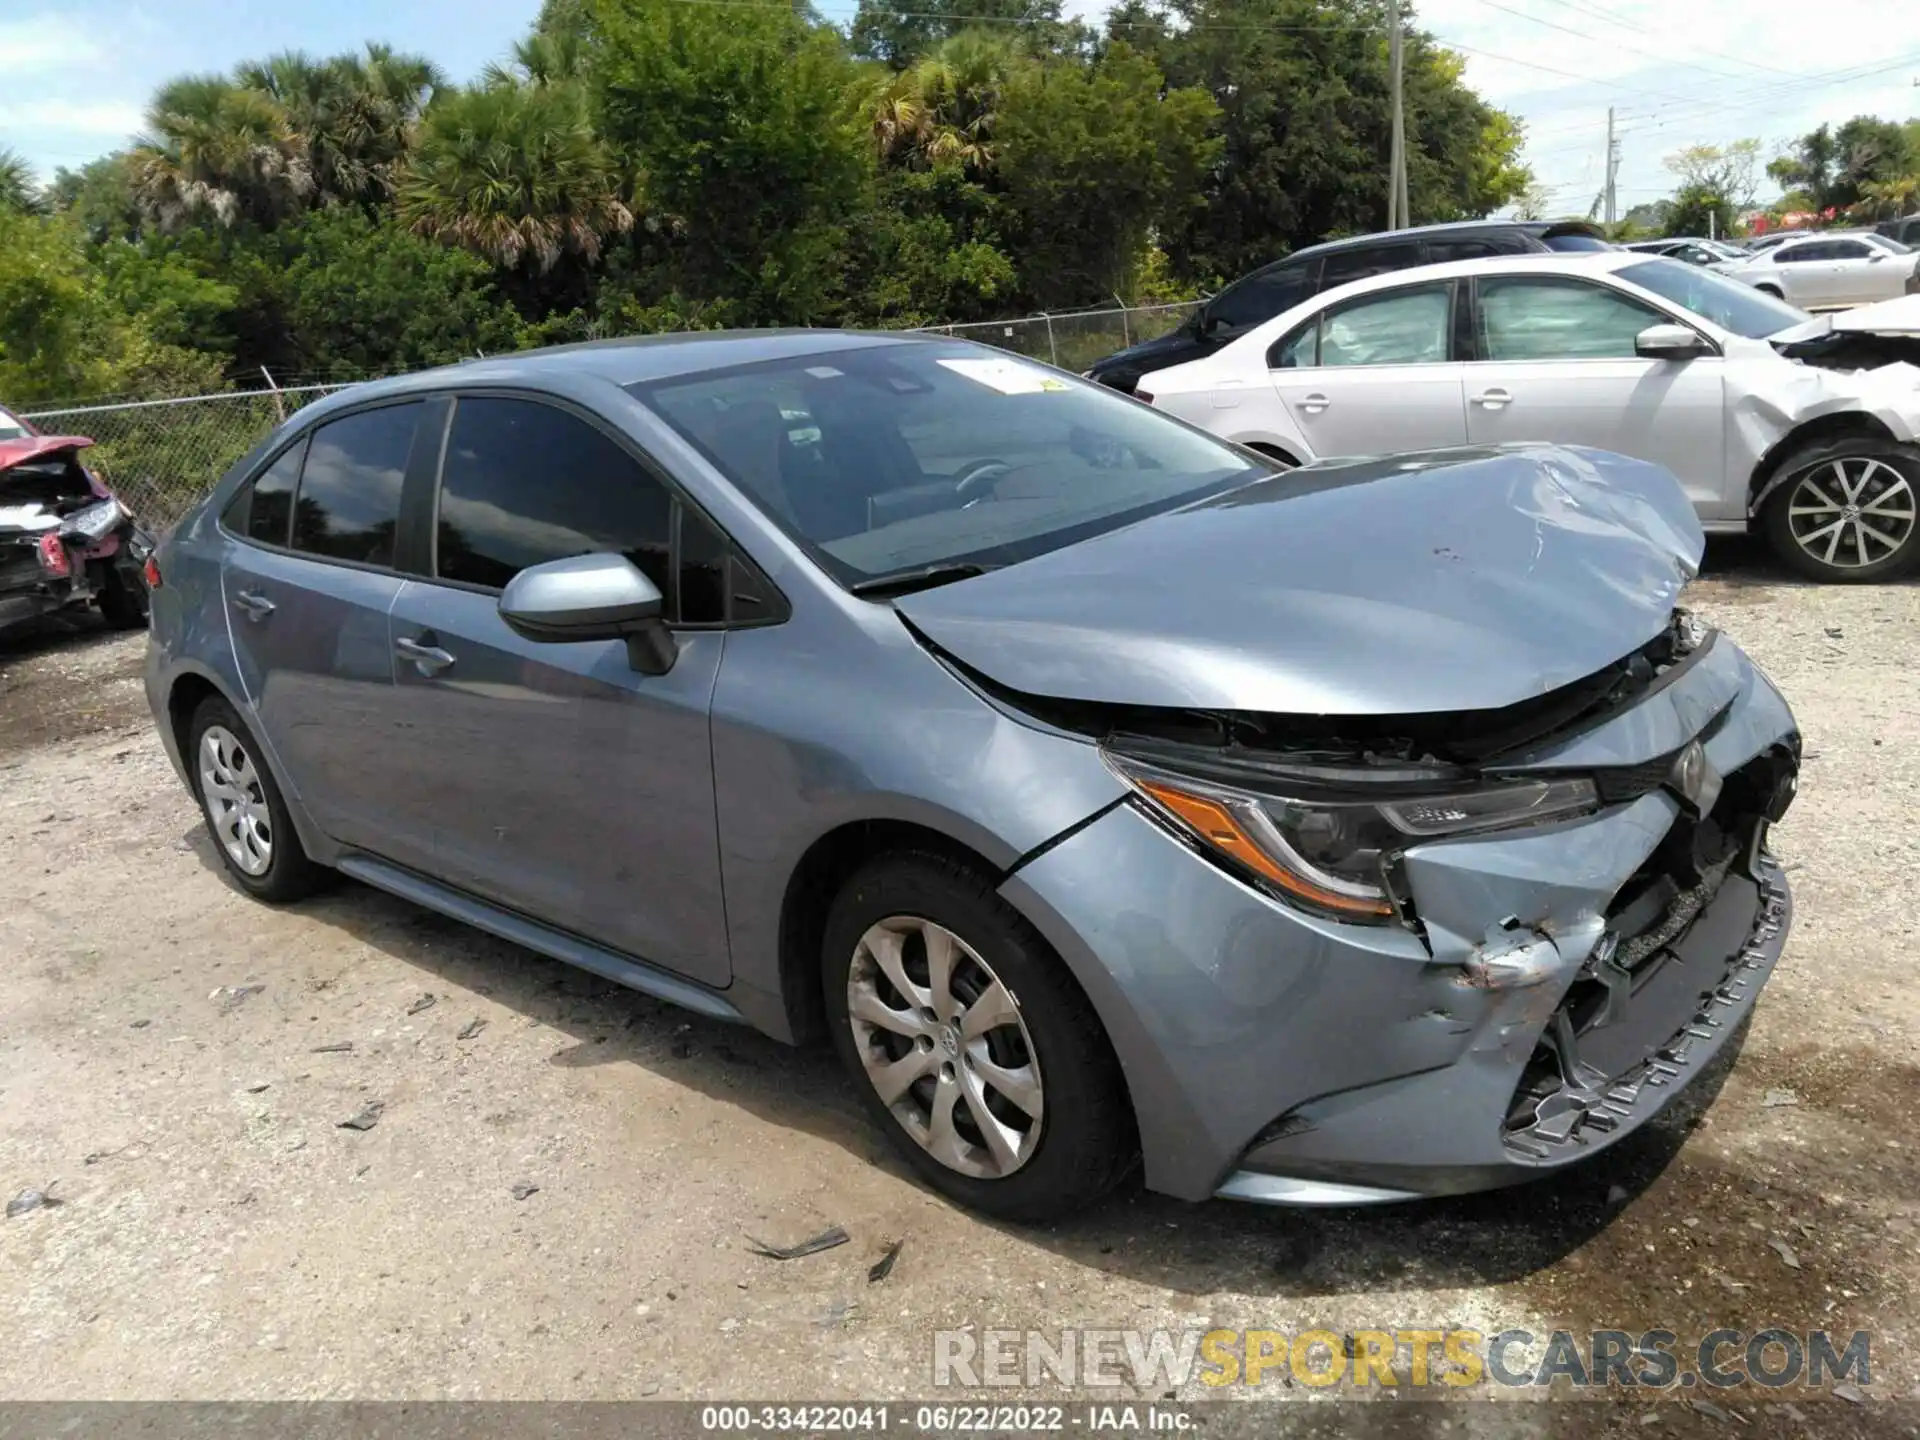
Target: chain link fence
160 456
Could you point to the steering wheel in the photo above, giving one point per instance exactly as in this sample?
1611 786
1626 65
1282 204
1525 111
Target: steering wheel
972 483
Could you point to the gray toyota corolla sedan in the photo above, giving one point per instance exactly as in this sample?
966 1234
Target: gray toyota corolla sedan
1376 830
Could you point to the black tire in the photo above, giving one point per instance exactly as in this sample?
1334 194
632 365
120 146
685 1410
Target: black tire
123 602
1806 463
1087 1142
289 873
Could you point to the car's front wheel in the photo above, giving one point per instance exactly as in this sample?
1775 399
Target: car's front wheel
970 1044
245 812
1848 510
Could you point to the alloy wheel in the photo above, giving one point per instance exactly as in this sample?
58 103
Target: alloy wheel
236 802
943 1042
1851 512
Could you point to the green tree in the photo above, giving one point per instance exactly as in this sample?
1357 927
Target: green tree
99 196
62 337
1731 171
1699 209
514 172
19 187
1833 166
1095 160
945 107
354 114
901 38
745 126
1303 87
217 150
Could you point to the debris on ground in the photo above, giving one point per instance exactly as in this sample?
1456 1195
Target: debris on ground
471 1029
28 1200
425 1002
140 1024
1710 1410
1850 1392
883 1267
259 1087
1774 1099
339 1047
825 1240
522 1189
230 997
368 1117
1785 1252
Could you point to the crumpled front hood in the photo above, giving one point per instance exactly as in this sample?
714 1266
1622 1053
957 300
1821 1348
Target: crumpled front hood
1453 580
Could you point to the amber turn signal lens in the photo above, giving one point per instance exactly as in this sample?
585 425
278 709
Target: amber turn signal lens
1214 823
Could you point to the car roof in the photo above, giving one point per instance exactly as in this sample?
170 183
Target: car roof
1553 262
1449 227
633 359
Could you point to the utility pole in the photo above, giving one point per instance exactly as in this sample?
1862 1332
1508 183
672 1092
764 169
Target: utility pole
1613 164
1397 208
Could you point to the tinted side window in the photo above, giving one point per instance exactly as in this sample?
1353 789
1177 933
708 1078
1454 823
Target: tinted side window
1540 318
1440 251
349 502
1365 260
1258 298
1794 254
263 510
1848 250
525 483
1576 242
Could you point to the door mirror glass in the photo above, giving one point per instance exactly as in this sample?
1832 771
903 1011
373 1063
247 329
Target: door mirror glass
1668 342
591 597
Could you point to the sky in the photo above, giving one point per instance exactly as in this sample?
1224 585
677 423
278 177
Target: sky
74 78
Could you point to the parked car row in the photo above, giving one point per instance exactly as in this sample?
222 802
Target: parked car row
1684 358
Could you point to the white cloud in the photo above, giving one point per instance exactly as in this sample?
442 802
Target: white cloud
109 118
43 42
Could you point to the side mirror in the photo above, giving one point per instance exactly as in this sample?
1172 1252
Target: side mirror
1876 257
1669 342
591 597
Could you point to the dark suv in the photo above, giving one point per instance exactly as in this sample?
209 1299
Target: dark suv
1906 231
1256 298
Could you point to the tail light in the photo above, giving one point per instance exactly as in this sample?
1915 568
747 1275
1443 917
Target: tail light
53 556
152 571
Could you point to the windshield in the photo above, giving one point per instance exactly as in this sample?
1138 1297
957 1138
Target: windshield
10 428
1887 242
891 458
1727 303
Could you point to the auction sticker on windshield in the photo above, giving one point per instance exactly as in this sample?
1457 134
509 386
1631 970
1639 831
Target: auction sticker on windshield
1009 377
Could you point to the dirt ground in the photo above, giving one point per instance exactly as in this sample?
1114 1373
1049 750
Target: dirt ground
556 1197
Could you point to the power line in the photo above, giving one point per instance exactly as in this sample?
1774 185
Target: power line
1588 7
1602 40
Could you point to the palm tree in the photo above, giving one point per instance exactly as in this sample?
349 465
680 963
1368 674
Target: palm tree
356 115
214 147
513 172
19 189
1890 197
945 107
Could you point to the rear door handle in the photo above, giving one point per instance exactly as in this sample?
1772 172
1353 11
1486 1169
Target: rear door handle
1494 399
427 659
1315 403
255 605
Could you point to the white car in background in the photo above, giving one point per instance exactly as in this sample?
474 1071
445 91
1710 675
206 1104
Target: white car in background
1651 358
1830 272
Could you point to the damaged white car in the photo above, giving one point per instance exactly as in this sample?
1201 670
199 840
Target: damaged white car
1804 429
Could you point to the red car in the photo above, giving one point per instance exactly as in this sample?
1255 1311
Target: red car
65 540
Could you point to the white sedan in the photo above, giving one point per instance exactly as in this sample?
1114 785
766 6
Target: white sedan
1830 272
1648 357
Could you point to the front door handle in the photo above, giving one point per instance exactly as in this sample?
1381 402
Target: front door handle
1313 404
253 604
1494 399
427 659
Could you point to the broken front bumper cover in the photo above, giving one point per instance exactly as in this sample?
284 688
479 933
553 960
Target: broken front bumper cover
1711 976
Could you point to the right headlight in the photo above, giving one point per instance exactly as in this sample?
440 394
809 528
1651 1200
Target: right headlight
1329 847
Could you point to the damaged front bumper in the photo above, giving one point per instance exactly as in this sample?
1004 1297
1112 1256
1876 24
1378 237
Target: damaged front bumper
1567 981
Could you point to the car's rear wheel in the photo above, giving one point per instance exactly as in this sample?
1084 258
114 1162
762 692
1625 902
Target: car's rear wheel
970 1044
1848 510
244 810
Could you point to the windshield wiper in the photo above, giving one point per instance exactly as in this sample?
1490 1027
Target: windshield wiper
924 577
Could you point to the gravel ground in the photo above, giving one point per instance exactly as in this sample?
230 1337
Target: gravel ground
555 1199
